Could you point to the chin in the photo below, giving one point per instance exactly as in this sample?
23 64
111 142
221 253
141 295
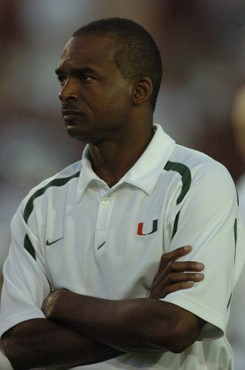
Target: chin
86 136
83 137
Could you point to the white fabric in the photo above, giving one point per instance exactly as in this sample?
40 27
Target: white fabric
108 242
236 327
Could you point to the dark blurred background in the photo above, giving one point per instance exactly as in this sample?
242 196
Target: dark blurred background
202 43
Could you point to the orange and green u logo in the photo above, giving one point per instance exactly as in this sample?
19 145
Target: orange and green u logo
141 226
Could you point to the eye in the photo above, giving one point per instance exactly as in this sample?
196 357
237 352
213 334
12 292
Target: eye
62 80
86 78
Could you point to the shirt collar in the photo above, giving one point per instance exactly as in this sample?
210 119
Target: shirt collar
145 172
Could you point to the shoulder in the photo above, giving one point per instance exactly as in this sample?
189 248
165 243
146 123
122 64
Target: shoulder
192 172
198 164
60 180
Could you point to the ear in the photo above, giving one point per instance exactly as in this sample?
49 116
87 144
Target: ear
142 91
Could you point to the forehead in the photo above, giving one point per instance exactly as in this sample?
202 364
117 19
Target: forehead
87 51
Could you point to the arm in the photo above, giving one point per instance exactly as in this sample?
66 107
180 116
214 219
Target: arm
135 325
28 338
42 342
207 217
48 342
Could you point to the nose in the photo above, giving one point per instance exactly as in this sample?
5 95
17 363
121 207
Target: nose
68 91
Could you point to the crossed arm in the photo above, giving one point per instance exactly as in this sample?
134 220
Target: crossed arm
81 330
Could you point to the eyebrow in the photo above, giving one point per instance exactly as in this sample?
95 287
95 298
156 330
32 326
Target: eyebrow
75 71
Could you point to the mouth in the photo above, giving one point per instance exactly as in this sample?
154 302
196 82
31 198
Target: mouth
70 114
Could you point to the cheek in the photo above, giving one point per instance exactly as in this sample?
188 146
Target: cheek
107 104
119 102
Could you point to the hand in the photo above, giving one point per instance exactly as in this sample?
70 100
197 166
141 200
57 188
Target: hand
173 276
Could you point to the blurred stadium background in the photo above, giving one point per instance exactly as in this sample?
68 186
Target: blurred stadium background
202 43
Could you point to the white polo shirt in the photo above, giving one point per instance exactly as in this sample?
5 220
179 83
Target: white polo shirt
74 232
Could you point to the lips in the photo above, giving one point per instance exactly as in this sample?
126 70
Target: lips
70 114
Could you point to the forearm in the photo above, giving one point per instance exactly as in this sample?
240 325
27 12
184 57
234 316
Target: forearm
42 342
124 324
134 325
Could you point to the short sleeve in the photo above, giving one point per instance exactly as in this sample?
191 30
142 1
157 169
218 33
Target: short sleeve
25 283
208 220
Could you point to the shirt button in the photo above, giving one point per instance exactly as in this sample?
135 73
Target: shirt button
105 201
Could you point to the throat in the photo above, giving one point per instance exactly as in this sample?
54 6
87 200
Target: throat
110 181
109 177
110 171
111 161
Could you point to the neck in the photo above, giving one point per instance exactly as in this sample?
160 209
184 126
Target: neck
111 160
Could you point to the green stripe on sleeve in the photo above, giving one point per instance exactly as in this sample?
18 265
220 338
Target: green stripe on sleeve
29 247
235 236
235 240
185 173
176 221
229 302
38 193
29 206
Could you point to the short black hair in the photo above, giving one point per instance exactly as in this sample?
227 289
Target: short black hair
136 55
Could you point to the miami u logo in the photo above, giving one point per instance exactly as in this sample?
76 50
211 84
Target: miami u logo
141 226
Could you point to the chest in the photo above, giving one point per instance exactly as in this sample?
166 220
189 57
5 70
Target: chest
107 245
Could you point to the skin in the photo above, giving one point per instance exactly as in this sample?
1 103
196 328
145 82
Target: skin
110 113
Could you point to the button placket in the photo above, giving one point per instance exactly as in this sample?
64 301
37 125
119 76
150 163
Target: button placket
103 220
105 201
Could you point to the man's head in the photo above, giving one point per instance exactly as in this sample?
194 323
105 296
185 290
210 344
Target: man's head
136 53
110 73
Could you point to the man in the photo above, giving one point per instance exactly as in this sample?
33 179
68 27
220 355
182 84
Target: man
93 275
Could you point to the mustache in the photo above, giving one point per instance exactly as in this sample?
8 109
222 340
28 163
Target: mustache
68 106
70 109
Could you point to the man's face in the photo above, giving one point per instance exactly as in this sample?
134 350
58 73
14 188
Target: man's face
95 98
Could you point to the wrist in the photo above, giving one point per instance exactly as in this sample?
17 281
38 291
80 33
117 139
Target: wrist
56 304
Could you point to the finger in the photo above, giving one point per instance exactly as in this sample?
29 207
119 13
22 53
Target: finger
179 277
185 266
178 286
178 271
175 254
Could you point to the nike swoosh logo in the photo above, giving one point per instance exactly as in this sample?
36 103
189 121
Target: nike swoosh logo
53 242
